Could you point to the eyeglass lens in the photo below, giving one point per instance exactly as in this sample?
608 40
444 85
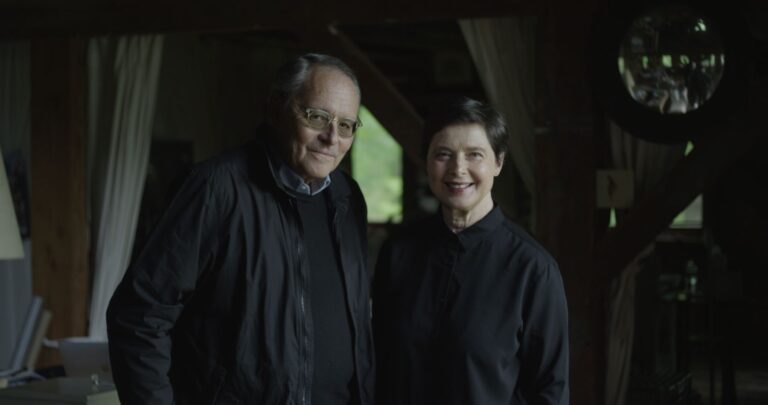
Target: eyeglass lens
318 119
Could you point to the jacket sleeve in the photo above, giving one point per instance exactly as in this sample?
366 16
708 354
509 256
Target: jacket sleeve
544 345
367 361
379 295
151 296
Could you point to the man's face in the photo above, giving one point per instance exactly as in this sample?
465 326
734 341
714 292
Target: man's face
313 153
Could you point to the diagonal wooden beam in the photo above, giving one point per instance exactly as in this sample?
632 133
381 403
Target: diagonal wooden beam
380 96
706 164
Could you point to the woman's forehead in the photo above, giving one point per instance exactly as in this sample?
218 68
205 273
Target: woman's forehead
461 135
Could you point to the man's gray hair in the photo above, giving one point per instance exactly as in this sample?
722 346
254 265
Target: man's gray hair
292 75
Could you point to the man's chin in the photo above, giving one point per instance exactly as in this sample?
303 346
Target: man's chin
317 175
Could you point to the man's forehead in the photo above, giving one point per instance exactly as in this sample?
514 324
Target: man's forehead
336 82
330 89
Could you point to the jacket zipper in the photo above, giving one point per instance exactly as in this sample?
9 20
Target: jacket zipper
304 338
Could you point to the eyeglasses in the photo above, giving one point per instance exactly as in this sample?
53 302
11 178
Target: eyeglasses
321 120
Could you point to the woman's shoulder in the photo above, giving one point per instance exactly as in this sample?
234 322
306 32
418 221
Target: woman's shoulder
406 242
525 246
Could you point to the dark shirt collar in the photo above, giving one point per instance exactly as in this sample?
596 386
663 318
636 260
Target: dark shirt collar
475 233
263 169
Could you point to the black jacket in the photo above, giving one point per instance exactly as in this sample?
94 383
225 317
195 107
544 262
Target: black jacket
214 310
474 318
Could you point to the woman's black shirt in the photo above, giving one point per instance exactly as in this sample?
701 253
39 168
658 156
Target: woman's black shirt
478 317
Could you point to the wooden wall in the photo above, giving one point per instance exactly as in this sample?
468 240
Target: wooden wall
59 231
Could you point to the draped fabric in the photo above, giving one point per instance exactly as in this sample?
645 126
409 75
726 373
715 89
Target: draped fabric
650 163
621 331
14 98
123 79
14 144
15 275
503 50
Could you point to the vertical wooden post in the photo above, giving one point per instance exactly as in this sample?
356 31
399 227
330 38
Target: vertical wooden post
565 185
59 229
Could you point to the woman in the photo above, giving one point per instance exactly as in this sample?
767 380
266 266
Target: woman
468 309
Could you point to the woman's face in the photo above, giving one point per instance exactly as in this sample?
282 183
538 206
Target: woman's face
461 166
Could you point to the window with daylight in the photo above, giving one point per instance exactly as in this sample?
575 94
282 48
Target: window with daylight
691 217
377 165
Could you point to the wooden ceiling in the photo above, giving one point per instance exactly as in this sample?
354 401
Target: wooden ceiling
402 67
421 59
22 18
405 52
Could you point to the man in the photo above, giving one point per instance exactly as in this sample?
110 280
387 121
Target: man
253 289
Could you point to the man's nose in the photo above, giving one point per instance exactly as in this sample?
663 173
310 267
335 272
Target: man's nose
331 133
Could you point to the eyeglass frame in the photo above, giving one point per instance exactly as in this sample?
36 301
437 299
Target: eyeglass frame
307 111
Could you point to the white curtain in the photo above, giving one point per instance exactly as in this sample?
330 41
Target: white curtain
503 50
123 78
621 331
649 162
15 275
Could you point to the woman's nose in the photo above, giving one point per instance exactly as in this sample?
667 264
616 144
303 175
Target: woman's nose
458 165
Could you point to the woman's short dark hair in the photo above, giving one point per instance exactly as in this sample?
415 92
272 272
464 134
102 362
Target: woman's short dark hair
292 75
464 110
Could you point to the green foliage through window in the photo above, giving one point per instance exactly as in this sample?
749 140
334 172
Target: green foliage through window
690 217
377 165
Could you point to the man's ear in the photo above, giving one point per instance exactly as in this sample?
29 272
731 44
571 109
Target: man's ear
500 163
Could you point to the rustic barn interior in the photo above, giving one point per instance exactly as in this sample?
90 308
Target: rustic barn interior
652 209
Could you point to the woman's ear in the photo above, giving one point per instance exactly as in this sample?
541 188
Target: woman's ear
500 163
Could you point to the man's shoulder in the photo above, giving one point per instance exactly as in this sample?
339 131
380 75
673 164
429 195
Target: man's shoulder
232 160
236 166
343 185
220 176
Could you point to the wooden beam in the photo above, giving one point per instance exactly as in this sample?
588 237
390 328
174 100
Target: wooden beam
20 18
565 186
564 225
710 159
380 96
59 230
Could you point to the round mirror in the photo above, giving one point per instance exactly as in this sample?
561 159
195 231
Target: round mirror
670 71
671 59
